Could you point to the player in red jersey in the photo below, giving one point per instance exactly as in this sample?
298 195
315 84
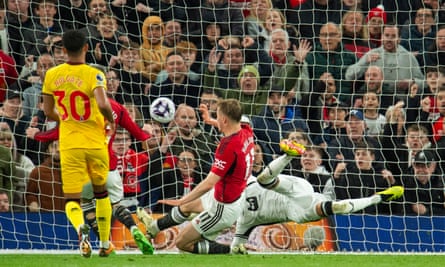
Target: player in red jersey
114 181
217 198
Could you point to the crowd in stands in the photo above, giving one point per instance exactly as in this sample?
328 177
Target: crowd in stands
360 84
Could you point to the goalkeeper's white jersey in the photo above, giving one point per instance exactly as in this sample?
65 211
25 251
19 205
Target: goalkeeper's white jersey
293 199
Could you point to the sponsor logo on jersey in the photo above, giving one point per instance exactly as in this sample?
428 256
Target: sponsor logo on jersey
99 77
220 164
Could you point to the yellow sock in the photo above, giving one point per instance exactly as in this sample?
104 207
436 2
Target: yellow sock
103 218
74 213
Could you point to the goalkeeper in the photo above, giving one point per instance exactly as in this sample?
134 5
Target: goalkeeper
276 198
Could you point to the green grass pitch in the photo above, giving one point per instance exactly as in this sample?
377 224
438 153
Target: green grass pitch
253 260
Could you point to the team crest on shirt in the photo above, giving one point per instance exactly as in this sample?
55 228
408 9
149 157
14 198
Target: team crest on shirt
220 164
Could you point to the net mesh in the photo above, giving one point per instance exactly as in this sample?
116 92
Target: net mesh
360 83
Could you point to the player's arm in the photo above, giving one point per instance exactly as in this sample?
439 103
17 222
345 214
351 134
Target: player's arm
104 106
127 122
49 107
203 187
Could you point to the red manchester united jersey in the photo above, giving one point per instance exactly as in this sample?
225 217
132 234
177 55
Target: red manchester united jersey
233 163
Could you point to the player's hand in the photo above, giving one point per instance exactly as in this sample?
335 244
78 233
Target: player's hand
170 202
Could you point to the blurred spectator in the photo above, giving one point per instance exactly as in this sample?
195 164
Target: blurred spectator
426 99
419 36
114 88
153 51
96 8
424 189
374 82
205 42
129 14
315 102
4 201
188 51
31 95
172 33
180 180
107 43
23 166
56 50
273 123
44 29
210 98
11 113
252 97
335 125
178 86
73 13
375 20
373 118
400 67
312 168
354 33
18 18
341 148
230 19
7 166
183 132
254 22
362 178
400 148
310 16
135 86
274 20
435 55
169 10
4 43
131 165
227 59
434 123
330 56
290 71
44 188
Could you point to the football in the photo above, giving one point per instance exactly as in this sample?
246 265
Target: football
162 110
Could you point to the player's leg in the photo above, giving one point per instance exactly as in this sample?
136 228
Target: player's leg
98 168
268 177
89 207
116 193
73 178
175 216
347 206
208 225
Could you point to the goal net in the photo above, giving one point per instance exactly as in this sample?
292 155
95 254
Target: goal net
359 83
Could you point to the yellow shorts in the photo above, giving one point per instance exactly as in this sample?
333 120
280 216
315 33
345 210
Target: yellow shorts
80 166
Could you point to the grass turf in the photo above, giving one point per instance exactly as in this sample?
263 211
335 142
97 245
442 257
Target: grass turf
255 260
